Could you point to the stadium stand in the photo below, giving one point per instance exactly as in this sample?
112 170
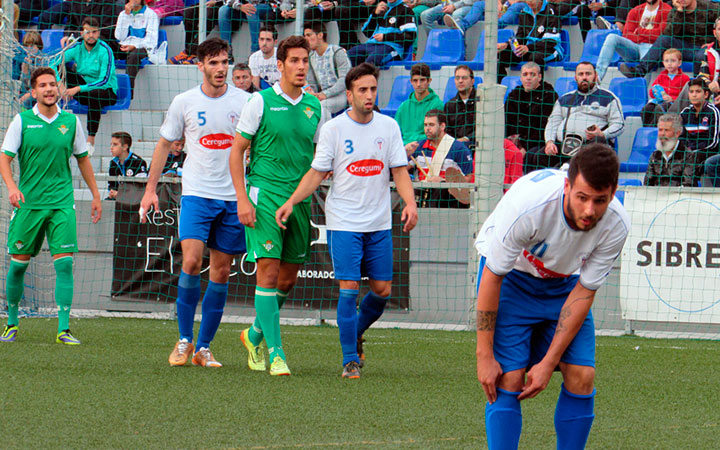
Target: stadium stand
642 147
442 48
632 93
401 90
451 89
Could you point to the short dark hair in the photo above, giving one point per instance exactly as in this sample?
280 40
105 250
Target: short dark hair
698 82
291 42
421 69
212 47
316 27
587 63
91 22
463 66
241 66
270 28
598 164
437 113
39 72
358 71
124 137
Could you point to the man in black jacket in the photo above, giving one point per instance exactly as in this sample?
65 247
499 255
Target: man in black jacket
528 107
392 31
671 164
460 110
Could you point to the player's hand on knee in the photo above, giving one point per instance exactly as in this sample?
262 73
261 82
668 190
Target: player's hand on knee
16 197
488 373
537 380
283 214
149 201
246 215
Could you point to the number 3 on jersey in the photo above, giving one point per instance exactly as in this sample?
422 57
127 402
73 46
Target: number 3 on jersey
201 118
349 146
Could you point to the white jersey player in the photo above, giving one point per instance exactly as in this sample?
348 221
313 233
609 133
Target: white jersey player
361 148
206 117
545 250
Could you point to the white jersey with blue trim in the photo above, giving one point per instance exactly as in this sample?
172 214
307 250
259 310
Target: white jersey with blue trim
360 156
528 231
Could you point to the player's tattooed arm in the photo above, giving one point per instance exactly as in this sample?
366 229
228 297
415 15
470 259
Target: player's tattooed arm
567 310
486 320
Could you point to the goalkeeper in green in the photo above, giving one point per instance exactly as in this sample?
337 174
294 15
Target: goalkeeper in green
43 139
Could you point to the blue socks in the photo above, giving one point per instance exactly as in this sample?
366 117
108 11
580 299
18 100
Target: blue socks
371 308
188 298
573 419
503 421
212 311
347 324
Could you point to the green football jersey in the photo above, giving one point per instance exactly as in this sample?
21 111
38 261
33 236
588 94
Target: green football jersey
43 156
282 148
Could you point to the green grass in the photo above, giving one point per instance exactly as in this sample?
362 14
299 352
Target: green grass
418 390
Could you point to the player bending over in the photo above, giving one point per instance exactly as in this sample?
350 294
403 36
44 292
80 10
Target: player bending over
205 116
361 148
43 138
545 250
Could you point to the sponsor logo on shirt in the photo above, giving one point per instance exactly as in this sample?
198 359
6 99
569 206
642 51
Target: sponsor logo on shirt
540 267
217 141
278 108
366 168
34 126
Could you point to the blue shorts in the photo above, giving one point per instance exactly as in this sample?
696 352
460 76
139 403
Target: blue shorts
214 222
527 316
356 255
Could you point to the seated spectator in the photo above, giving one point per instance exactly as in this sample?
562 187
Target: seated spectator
393 33
263 63
587 115
105 12
315 11
411 113
460 110
689 26
701 121
622 11
328 66
24 62
137 32
434 17
528 108
233 12
242 78
441 157
586 11
666 87
191 22
538 39
671 164
124 163
91 80
350 14
508 15
166 8
175 160
645 23
513 161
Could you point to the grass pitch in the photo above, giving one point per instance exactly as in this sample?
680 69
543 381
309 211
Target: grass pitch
418 390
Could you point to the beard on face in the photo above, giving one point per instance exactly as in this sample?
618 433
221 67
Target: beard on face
666 144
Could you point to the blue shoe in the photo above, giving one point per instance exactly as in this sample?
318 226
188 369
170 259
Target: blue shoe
9 333
64 337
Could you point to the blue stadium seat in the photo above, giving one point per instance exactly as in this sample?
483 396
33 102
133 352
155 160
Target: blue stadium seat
51 40
443 48
569 20
593 44
400 92
642 147
122 64
511 82
478 62
122 103
451 89
408 59
565 44
620 194
632 93
563 85
171 20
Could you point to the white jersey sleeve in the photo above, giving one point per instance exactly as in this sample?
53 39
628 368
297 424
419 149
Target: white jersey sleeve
173 126
598 265
325 150
396 151
79 145
251 116
13 136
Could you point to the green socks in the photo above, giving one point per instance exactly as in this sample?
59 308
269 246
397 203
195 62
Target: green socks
256 334
268 314
14 288
63 290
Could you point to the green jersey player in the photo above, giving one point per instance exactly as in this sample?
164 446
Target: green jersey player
43 139
281 123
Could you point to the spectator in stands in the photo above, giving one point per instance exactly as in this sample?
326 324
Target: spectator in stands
538 38
175 160
191 22
393 33
460 110
350 14
254 11
166 8
314 11
587 10
137 32
24 62
438 158
29 9
328 66
622 12
666 87
645 23
671 164
411 113
105 12
509 13
689 27
528 108
242 78
701 121
434 17
587 115
513 161
263 63
92 81
124 163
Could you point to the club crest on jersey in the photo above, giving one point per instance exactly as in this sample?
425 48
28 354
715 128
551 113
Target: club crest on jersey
268 245
233 117
63 129
309 112
379 142
19 245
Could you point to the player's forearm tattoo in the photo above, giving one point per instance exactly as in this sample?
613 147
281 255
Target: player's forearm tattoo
566 312
486 320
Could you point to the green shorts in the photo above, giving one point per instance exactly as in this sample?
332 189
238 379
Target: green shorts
28 228
267 239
